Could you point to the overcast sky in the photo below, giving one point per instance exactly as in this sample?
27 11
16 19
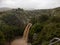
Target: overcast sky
30 4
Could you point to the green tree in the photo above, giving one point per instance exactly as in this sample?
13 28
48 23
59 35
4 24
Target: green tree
2 38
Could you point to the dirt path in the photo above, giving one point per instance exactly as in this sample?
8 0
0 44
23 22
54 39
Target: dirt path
19 42
23 40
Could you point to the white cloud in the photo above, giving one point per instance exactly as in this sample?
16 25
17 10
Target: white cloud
28 4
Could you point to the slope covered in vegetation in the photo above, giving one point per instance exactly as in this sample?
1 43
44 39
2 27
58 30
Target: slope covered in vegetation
46 25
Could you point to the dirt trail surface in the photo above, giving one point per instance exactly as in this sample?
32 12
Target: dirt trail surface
19 42
26 32
23 40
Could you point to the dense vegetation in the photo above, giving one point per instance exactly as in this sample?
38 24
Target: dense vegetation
46 25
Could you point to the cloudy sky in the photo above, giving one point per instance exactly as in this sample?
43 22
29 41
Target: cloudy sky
30 4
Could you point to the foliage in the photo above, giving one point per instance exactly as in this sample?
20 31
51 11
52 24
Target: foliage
2 38
46 25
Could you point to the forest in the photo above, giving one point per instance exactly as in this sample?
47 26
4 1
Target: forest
45 25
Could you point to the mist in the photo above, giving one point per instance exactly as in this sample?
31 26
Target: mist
30 4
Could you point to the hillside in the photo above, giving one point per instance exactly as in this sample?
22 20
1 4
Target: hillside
46 25
25 15
4 9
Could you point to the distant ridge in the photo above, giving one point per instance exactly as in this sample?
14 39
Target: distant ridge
4 9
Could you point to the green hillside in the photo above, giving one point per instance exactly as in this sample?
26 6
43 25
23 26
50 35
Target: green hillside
46 25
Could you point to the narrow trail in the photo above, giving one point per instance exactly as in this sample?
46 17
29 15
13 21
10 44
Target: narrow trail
26 32
24 39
